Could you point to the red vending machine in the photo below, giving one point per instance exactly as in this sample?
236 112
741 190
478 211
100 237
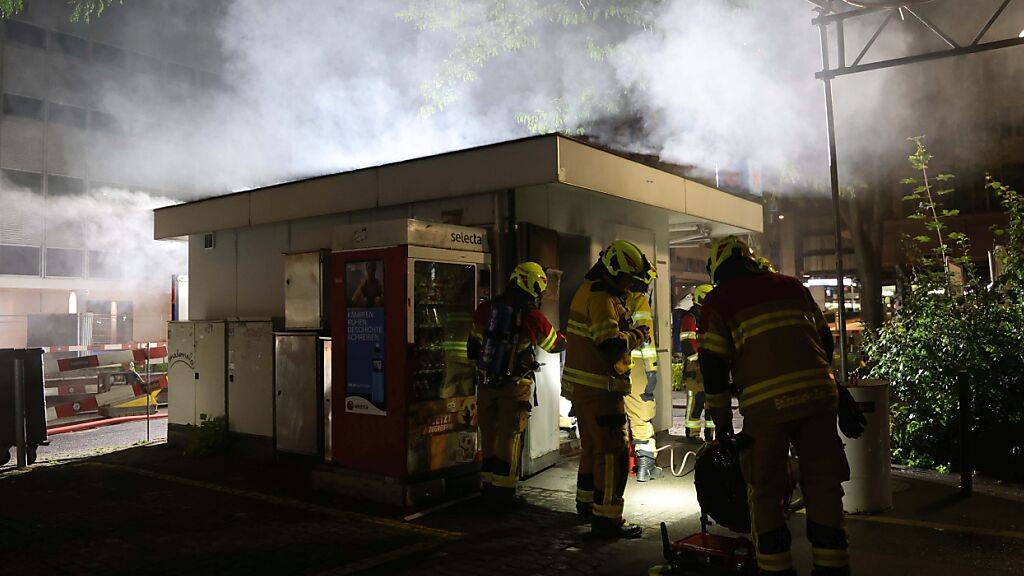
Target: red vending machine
403 398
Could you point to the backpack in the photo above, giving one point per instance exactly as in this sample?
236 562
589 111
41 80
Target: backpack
500 343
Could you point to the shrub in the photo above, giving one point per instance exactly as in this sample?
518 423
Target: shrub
951 325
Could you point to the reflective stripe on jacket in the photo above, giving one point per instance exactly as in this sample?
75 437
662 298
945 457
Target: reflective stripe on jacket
596 316
768 328
641 315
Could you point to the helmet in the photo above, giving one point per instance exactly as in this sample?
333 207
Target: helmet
531 278
623 257
765 264
700 292
725 249
721 490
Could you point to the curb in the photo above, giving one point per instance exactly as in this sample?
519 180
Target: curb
99 423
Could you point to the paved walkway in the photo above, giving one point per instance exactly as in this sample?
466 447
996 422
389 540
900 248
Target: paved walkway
146 510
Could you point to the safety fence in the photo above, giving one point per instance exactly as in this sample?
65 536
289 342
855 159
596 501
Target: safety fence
111 380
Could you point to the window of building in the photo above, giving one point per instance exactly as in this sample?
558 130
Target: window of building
22 181
104 264
65 263
105 122
70 45
19 260
26 34
63 185
106 54
144 64
23 107
180 73
68 115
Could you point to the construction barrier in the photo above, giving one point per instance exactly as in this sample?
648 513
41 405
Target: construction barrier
81 386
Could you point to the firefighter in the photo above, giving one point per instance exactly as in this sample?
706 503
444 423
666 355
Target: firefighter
643 377
695 417
596 378
765 330
505 331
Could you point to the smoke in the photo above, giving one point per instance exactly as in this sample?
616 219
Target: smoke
328 86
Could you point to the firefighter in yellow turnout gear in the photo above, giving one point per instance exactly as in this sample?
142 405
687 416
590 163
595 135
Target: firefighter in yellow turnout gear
601 336
765 330
505 331
643 377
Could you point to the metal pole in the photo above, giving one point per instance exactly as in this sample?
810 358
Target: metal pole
149 394
966 421
19 412
834 175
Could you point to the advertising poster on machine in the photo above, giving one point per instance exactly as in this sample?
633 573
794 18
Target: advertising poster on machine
365 390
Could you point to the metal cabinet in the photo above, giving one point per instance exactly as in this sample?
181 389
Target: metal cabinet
196 371
305 305
298 392
251 377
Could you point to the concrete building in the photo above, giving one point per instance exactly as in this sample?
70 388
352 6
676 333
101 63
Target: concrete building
548 198
72 129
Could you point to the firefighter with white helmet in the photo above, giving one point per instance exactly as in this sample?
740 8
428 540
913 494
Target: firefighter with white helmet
601 336
505 331
765 331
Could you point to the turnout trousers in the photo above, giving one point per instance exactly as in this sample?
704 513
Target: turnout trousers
640 408
502 414
823 469
604 461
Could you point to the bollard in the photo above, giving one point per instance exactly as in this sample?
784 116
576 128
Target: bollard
19 413
966 422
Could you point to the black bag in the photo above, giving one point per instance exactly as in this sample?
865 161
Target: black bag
721 490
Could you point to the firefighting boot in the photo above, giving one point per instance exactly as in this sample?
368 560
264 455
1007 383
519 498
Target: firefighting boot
646 467
608 528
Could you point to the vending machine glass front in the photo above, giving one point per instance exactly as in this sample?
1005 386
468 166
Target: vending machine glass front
442 409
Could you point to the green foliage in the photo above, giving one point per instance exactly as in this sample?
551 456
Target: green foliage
482 33
9 8
952 326
208 438
81 10
677 377
86 10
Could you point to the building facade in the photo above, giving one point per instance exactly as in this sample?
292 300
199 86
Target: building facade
84 139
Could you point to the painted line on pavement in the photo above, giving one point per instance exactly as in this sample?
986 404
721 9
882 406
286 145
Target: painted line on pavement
1015 534
342 514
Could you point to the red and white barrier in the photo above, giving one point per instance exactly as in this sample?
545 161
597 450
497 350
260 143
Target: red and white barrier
54 366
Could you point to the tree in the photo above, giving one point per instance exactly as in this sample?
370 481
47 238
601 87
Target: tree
482 32
81 10
864 212
952 328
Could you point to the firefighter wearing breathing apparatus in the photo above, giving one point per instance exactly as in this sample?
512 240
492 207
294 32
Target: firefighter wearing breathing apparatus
694 383
596 378
643 377
765 330
505 331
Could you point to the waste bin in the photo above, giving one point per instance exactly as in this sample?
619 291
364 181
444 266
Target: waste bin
34 400
869 489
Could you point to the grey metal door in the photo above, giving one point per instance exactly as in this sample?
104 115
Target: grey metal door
297 393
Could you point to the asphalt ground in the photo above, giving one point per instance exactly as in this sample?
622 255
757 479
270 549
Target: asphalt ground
149 510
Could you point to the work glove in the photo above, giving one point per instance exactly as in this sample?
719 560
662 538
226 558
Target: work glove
851 420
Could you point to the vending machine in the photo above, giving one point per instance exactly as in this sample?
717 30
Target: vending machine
403 400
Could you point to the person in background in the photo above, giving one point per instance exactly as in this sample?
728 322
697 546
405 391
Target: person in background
696 421
643 377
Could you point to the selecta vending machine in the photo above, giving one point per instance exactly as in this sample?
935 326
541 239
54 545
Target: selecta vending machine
403 401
